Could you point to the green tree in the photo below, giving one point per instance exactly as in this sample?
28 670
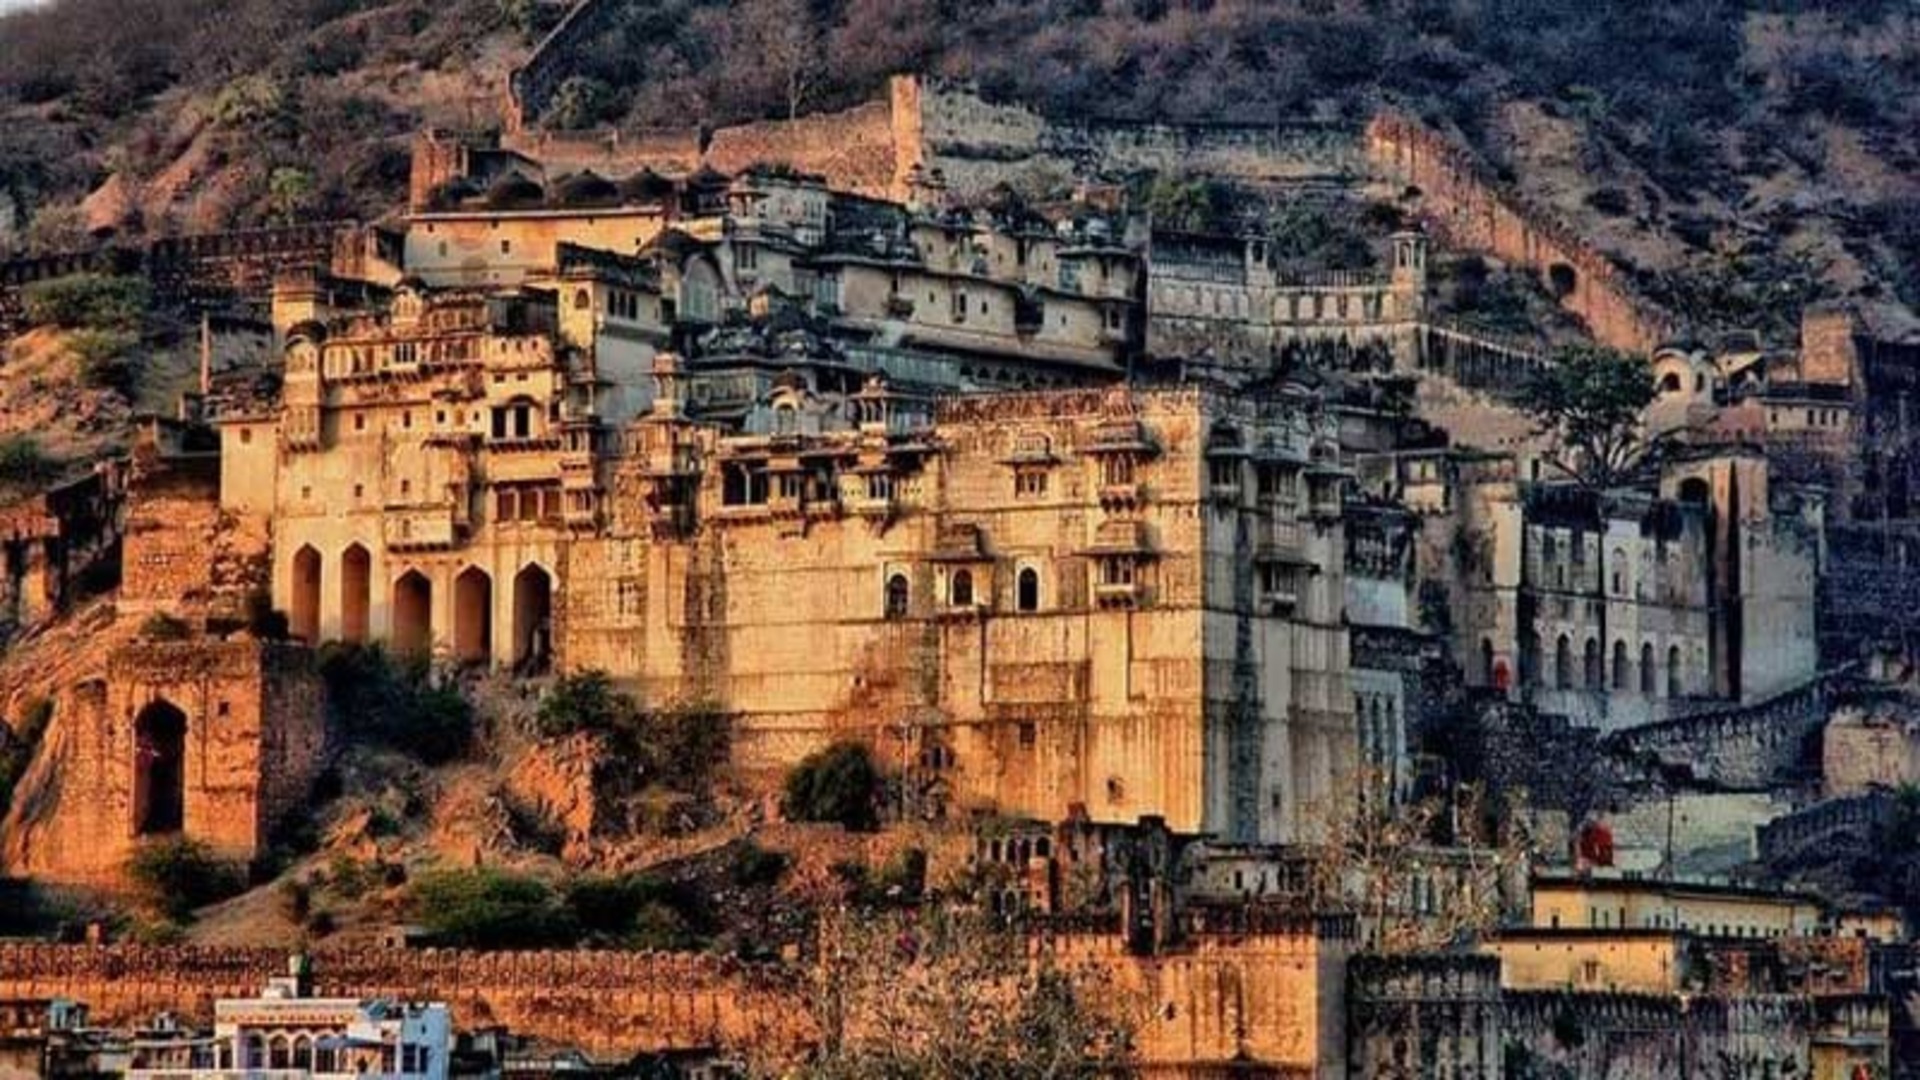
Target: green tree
24 463
88 302
174 876
289 194
491 909
1589 400
839 784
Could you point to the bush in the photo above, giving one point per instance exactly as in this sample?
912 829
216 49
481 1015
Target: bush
88 302
102 358
491 909
587 701
175 875
839 784
24 463
396 705
18 746
637 911
163 627
296 901
755 866
676 748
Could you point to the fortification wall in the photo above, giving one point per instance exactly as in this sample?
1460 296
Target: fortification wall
1467 209
204 270
977 144
1863 818
1271 999
1743 747
532 85
1415 1016
605 1002
854 149
1621 1036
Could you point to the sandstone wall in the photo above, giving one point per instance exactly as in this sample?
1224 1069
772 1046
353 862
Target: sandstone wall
854 149
610 1003
1466 209
208 269
1273 998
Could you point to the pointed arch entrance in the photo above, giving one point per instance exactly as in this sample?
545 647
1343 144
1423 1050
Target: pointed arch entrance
412 614
304 611
159 769
473 616
356 592
532 618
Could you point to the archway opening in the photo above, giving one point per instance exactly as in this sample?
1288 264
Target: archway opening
412 614
159 773
1028 587
1562 280
532 619
305 609
473 616
356 592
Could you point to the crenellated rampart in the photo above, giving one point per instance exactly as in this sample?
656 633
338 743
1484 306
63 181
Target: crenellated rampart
1748 747
615 1003
1468 209
202 270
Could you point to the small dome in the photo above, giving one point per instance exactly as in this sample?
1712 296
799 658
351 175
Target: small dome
311 330
586 189
514 190
453 193
646 186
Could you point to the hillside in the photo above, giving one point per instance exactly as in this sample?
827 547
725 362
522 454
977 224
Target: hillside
1742 158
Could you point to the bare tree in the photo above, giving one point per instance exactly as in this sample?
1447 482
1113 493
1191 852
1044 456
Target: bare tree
1418 875
941 993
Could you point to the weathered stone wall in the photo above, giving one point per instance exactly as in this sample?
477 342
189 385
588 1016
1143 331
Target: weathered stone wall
1741 747
1272 997
1629 1036
976 144
255 738
1818 827
612 1003
208 269
1465 208
853 148
1415 1016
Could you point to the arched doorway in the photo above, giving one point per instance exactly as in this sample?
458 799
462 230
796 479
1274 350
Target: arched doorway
532 618
305 609
356 592
159 769
473 616
412 613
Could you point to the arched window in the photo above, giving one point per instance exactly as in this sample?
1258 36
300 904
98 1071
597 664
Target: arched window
1619 572
256 1052
279 1054
897 596
960 590
1646 669
1563 663
1673 671
1027 588
1619 665
582 300
1592 665
302 1052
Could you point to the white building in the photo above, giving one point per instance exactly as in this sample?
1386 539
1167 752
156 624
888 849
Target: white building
287 1033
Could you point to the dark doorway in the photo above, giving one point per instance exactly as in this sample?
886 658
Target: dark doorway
159 769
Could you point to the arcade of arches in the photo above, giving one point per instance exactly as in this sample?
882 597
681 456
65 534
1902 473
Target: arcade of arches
336 598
